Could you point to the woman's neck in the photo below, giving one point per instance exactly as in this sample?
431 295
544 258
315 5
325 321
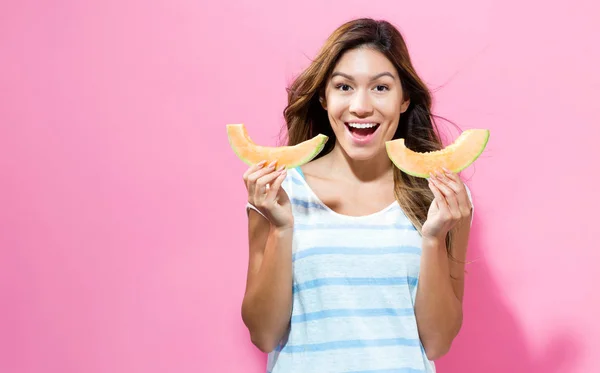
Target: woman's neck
348 169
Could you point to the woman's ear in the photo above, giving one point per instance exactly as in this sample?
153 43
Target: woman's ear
323 97
404 106
323 102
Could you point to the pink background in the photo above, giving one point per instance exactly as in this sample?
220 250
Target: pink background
123 234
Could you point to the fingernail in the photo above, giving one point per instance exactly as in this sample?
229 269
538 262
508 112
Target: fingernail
261 163
280 167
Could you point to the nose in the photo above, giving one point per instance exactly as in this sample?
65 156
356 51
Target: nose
360 105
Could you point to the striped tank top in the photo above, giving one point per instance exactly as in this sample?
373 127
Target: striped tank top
354 288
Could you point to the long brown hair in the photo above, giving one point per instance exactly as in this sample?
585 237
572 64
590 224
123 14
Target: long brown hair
305 117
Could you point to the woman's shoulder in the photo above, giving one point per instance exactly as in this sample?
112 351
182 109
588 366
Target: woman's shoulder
311 168
315 169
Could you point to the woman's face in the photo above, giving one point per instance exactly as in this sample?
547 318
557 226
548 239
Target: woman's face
364 100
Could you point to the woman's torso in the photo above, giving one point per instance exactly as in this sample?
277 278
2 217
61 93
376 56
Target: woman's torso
355 281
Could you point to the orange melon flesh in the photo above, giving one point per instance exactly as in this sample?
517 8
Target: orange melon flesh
455 157
287 156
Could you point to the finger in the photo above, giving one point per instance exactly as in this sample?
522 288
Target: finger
439 197
449 194
275 187
455 182
251 171
253 177
255 167
451 179
261 184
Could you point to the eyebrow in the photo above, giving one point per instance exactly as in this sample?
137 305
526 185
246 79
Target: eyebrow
337 73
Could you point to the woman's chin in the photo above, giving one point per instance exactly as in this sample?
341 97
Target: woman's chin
362 153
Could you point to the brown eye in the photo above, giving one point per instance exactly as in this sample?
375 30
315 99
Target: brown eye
343 87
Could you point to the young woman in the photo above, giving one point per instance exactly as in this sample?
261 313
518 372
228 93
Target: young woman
355 266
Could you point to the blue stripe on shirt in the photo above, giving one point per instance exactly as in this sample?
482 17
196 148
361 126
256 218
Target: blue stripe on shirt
351 312
352 343
355 281
306 204
326 250
296 181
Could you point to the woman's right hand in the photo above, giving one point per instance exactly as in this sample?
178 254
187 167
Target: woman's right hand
266 194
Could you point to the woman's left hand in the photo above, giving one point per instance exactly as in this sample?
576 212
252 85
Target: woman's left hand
451 205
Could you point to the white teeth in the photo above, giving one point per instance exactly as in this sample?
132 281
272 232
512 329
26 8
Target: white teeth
362 125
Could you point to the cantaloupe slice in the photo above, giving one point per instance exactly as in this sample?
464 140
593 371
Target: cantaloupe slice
288 156
455 157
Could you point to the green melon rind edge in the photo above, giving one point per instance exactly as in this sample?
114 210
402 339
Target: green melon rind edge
467 164
318 148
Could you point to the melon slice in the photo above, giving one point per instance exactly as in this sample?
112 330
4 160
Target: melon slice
455 157
287 156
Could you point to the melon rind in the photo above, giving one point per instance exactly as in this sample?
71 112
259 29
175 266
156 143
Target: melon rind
395 147
318 143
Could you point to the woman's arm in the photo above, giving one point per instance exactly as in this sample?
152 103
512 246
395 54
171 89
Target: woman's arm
267 303
438 304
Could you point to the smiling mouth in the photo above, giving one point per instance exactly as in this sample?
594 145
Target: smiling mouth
362 130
